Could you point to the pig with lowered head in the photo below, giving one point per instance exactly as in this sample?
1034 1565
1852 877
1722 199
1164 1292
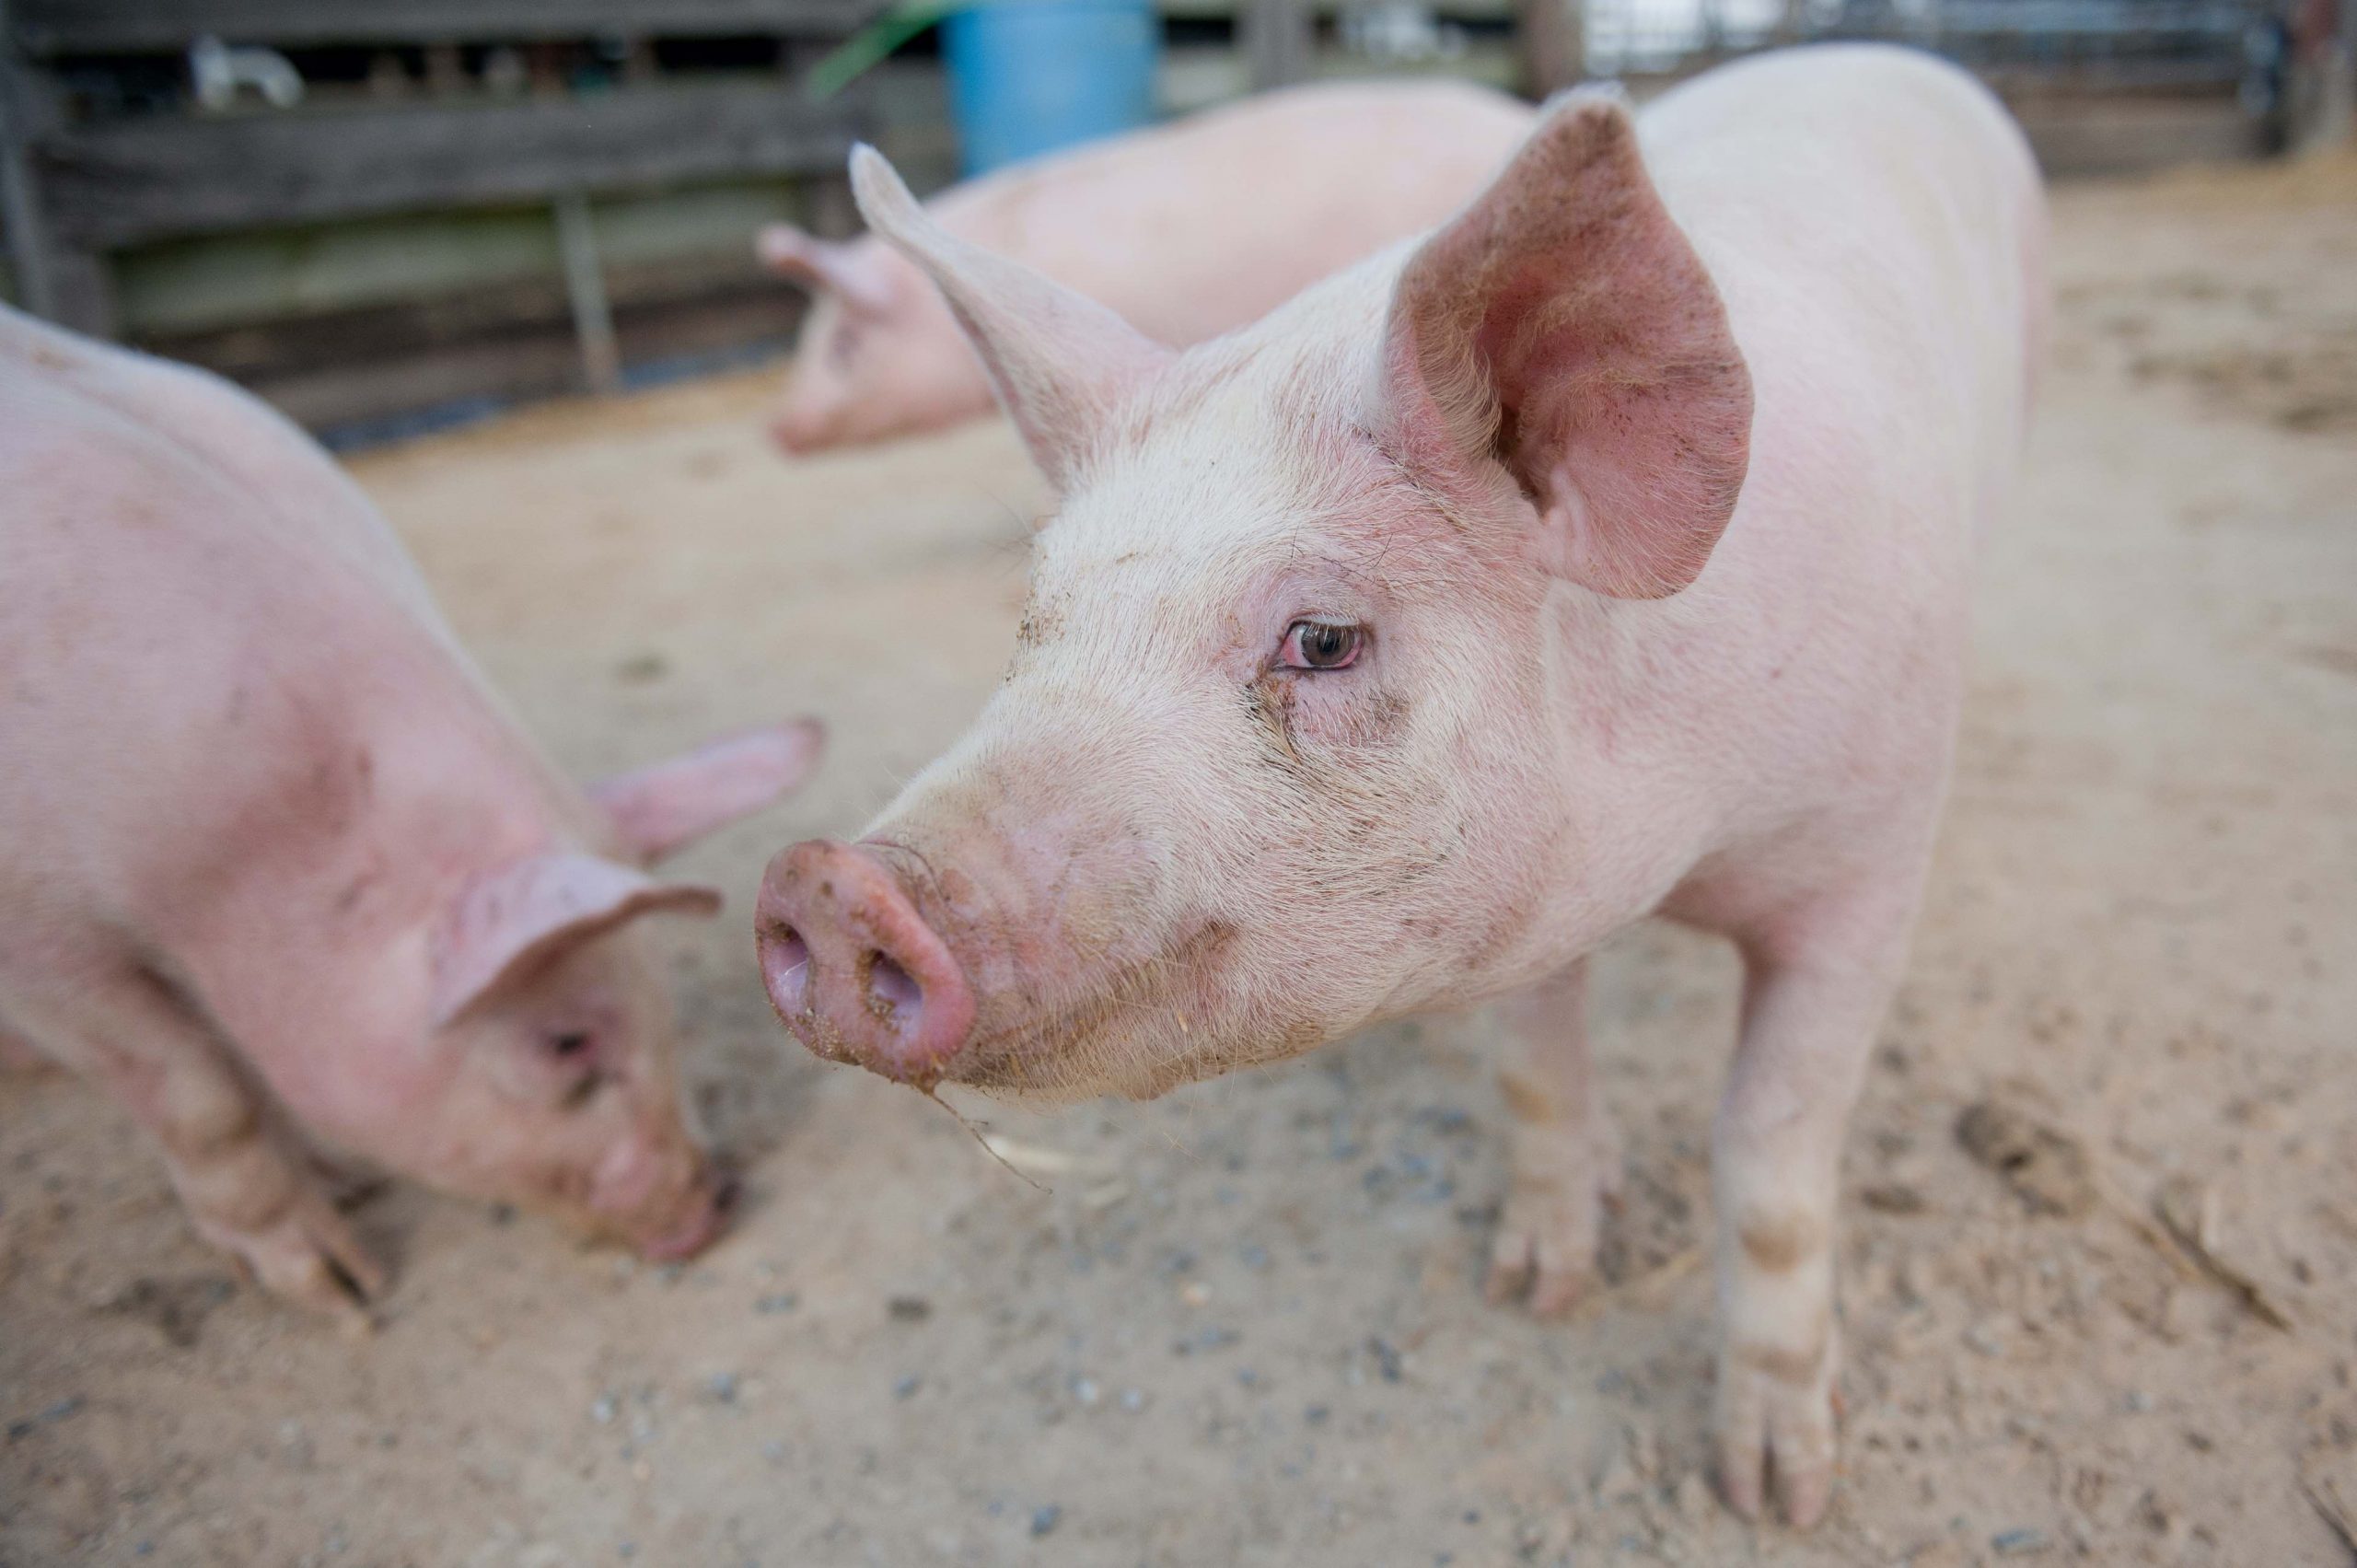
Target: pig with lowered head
279 871
1605 553
1187 230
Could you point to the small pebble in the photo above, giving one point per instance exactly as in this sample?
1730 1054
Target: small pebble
1045 1518
1617 1482
2018 1543
1134 1399
602 1412
907 1386
909 1308
1316 1414
1084 1390
782 1301
722 1386
1387 1358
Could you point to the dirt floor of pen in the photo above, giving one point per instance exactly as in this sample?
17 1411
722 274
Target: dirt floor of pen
1242 1325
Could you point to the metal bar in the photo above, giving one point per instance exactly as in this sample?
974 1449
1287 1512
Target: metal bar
584 288
93 26
1276 41
66 285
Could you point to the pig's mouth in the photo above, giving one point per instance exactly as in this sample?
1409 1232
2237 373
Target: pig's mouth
704 1221
1146 1027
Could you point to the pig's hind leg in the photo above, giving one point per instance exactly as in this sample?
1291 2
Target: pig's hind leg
1820 968
124 1025
1564 1160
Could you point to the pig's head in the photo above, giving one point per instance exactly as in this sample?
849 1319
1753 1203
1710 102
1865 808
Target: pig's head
878 356
557 1085
1291 739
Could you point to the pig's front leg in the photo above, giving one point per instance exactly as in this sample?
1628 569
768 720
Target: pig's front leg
1565 1162
1816 982
246 1190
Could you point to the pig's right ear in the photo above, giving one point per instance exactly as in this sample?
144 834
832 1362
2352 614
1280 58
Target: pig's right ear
1060 361
1563 327
823 266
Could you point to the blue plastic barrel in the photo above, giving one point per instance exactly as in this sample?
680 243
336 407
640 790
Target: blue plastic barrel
1027 76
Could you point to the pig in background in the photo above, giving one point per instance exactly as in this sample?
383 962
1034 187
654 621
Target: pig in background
277 869
1188 230
1607 554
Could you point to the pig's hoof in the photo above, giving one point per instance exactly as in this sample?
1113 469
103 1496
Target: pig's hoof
310 1255
1547 1237
1777 1439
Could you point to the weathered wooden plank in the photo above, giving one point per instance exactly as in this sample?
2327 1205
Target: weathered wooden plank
71 26
128 180
67 283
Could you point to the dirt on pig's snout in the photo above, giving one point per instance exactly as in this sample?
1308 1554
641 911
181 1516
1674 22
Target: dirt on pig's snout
1243 1323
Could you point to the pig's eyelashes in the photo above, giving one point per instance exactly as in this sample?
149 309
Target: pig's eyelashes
1321 645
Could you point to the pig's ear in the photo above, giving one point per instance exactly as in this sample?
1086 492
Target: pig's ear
824 266
660 809
1564 326
511 921
1059 361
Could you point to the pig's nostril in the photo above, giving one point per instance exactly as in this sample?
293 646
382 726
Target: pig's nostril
892 995
785 964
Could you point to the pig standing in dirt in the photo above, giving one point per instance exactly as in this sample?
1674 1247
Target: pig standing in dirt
1188 231
275 866
1604 553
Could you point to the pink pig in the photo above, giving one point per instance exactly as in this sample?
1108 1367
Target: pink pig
1188 230
1604 553
280 871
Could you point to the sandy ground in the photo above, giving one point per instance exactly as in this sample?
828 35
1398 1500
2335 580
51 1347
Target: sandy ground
1242 1326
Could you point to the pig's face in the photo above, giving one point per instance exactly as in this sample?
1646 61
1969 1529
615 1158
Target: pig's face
561 1095
1265 766
879 354
548 1077
1316 692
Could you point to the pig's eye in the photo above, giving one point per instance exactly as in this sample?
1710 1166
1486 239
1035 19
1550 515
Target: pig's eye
570 1046
1321 645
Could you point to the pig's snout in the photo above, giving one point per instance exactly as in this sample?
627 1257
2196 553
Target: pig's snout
853 970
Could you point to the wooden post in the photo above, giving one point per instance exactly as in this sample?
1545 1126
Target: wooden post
585 287
64 285
1277 39
1554 45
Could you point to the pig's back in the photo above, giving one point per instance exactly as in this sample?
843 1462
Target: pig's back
1873 219
224 428
193 691
1204 225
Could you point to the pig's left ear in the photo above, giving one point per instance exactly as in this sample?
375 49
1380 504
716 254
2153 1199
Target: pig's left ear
662 808
511 921
824 265
1562 326
1060 361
